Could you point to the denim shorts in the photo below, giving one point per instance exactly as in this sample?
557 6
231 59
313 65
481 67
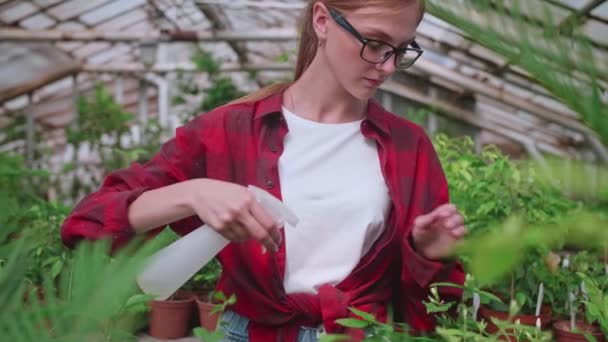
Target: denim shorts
235 329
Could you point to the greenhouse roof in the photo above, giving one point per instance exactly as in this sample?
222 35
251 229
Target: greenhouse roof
47 44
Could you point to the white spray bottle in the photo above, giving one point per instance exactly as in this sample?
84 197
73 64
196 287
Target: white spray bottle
173 265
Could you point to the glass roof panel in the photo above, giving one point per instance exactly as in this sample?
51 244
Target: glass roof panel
597 31
601 11
70 9
123 20
14 11
575 4
110 10
38 22
540 10
46 3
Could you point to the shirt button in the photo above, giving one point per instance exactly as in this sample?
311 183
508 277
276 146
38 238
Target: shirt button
269 184
273 148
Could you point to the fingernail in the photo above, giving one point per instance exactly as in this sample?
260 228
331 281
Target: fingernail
264 250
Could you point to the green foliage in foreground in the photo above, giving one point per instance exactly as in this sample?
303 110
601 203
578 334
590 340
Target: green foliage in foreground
93 299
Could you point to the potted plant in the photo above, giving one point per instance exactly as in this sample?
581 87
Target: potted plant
173 317
529 295
210 317
488 187
48 256
465 326
170 318
202 284
566 331
595 325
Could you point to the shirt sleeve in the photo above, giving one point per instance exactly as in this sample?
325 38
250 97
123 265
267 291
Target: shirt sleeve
431 191
103 214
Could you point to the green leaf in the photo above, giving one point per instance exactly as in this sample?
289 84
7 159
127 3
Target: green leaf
434 308
219 308
488 295
364 315
208 336
138 299
590 337
219 296
333 338
231 300
446 284
282 58
352 323
56 268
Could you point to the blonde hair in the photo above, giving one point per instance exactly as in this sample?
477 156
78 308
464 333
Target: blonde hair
307 48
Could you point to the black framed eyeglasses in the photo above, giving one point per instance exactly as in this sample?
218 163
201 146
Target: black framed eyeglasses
376 51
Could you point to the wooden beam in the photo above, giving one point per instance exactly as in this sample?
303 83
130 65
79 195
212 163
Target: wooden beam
19 35
218 24
135 68
482 84
465 115
441 45
477 83
255 4
189 67
162 88
30 134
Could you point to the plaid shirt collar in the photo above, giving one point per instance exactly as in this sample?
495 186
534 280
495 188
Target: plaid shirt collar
271 106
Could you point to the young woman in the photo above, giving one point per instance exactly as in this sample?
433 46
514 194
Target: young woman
375 223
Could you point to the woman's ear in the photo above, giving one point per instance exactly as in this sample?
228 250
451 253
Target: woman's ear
320 20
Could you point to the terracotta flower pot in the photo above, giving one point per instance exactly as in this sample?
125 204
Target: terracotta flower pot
207 319
487 313
563 333
169 319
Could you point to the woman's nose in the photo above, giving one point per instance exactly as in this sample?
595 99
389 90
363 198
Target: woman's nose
388 66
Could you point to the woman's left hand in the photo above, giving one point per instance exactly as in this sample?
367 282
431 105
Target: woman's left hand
437 233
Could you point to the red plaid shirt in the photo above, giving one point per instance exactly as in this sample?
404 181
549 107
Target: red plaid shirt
242 144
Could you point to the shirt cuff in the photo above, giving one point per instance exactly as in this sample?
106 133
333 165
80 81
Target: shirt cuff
422 270
117 216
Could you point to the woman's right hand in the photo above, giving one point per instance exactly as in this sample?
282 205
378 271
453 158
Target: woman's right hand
233 211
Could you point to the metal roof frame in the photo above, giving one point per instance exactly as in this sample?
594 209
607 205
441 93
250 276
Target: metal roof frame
104 37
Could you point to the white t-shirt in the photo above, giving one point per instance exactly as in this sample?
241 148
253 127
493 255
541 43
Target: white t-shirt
331 178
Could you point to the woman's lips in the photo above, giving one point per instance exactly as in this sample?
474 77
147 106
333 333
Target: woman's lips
372 82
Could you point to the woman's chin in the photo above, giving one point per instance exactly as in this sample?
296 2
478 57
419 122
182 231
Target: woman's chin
364 93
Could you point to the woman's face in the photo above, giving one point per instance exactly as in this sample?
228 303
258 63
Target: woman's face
342 49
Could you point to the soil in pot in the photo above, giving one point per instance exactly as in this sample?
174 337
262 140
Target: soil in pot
169 319
207 319
562 332
486 313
